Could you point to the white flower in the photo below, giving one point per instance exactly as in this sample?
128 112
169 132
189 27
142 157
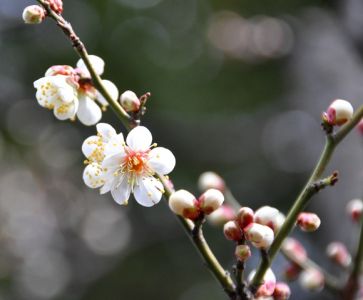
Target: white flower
59 94
125 168
76 94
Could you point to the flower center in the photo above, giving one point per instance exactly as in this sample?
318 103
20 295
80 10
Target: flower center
135 162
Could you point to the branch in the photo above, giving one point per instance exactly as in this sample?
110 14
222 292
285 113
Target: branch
79 47
195 234
305 195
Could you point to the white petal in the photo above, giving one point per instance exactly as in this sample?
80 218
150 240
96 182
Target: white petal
115 145
89 113
93 176
121 193
64 111
90 145
161 160
112 161
106 131
148 191
97 63
139 139
111 89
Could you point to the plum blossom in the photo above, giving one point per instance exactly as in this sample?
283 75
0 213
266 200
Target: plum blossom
69 92
124 167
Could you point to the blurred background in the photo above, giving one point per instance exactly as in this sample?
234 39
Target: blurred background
237 87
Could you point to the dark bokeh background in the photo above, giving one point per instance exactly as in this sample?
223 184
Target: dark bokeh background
238 87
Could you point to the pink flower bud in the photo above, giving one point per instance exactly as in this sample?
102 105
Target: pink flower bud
294 250
129 101
245 217
338 253
210 180
56 5
308 221
339 112
33 14
222 215
269 216
210 200
355 209
242 252
312 279
291 272
268 286
282 291
184 204
232 231
260 236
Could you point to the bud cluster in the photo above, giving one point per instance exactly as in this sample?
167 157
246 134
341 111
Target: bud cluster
185 204
258 228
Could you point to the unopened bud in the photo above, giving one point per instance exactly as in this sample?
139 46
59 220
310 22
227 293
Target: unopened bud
210 180
129 101
308 221
338 253
210 200
339 112
242 252
312 279
184 204
269 216
33 14
222 215
245 217
294 250
355 209
282 291
268 286
260 236
56 5
232 231
292 271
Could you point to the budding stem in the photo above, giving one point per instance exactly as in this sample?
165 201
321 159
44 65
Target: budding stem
332 140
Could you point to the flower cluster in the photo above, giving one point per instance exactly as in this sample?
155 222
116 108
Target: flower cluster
69 92
124 167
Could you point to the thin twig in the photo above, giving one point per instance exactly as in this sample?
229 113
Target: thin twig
196 236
